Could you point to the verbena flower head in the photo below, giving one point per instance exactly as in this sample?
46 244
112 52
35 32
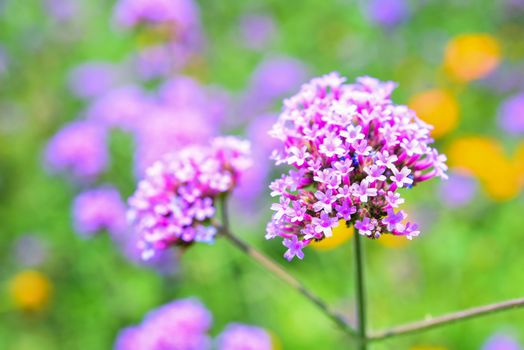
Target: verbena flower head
180 325
351 149
99 209
175 201
78 148
243 337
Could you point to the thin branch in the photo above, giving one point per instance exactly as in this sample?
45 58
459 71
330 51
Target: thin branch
360 292
447 319
286 277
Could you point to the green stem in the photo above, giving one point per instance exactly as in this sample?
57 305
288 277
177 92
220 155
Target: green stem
360 293
444 320
279 272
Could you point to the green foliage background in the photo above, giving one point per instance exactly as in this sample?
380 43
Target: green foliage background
466 257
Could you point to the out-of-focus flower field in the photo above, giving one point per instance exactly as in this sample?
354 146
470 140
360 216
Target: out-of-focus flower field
93 92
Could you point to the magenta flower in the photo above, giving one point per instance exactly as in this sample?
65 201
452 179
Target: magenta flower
362 190
243 337
352 149
99 209
79 148
175 201
401 178
294 248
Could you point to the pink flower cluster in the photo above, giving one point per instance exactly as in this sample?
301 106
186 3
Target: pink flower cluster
352 150
175 201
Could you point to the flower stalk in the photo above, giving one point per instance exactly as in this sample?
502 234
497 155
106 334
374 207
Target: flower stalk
360 292
279 272
448 319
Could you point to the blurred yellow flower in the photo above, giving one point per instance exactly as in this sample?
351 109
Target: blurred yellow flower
474 153
341 234
471 56
438 108
392 241
30 290
485 158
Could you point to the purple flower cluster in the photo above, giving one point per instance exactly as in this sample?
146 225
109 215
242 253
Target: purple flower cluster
243 337
174 203
352 150
180 325
184 325
99 209
79 148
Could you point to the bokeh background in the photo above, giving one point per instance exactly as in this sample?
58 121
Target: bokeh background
91 93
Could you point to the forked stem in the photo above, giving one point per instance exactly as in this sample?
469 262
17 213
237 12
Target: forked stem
278 271
360 293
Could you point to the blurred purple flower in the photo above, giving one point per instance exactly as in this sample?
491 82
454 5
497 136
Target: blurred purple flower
184 92
78 148
257 30
183 14
30 250
273 79
92 79
62 10
99 209
133 338
501 342
120 108
164 130
511 115
243 337
179 325
505 79
387 13
154 62
255 180
163 262
459 190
